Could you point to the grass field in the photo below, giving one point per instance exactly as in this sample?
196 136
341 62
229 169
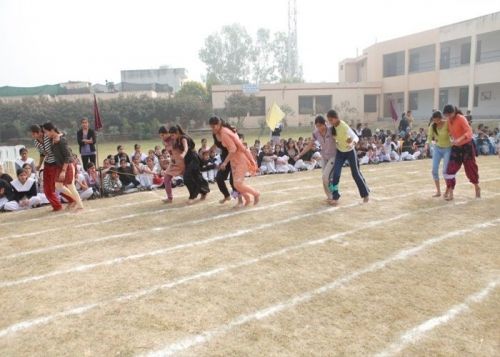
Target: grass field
405 274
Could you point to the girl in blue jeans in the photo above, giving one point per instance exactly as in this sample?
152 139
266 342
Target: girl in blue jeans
438 131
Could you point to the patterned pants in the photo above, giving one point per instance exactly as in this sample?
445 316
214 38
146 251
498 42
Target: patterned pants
465 154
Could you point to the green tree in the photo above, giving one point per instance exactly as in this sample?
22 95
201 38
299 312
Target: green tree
228 55
239 106
194 89
265 63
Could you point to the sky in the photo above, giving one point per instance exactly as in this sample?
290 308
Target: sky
54 41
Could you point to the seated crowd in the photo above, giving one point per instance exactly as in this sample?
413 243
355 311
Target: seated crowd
122 173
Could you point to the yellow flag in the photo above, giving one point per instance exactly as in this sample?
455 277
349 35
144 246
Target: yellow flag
274 116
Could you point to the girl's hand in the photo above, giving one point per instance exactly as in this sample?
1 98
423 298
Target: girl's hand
62 175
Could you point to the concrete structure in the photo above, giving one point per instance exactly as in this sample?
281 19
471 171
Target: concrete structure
89 96
457 64
162 79
306 100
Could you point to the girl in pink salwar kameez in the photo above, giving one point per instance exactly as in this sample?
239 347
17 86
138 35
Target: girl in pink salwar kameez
240 158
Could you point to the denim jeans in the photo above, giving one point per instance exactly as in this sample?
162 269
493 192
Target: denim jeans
438 154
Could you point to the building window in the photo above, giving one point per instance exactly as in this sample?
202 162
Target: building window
463 99
394 64
413 100
478 51
306 105
260 107
370 103
476 96
323 103
315 104
465 53
443 98
445 58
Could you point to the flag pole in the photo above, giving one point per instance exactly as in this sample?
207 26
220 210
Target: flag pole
97 128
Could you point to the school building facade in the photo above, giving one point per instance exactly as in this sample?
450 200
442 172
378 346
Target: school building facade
457 64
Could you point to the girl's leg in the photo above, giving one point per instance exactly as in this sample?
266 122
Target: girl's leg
436 158
471 169
352 157
168 187
327 167
335 176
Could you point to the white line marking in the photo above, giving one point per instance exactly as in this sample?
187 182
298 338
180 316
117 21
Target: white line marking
217 270
417 333
205 336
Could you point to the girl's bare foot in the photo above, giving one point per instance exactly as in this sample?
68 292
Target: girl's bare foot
437 194
478 191
449 197
334 202
203 196
225 199
71 206
256 199
167 200
366 199
190 202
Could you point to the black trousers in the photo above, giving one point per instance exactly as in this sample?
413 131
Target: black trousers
221 178
193 179
86 159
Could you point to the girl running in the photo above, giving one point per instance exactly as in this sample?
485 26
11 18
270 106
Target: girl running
438 131
346 141
176 165
192 175
239 157
462 151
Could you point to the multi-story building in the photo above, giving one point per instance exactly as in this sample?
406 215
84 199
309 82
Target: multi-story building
457 64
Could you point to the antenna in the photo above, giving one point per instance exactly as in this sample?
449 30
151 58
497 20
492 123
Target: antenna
292 50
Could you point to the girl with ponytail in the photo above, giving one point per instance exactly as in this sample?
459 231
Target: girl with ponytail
462 151
239 157
193 179
438 131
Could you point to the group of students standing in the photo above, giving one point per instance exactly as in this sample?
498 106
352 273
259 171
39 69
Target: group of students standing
237 161
454 146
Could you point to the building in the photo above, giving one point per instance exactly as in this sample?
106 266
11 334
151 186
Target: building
163 79
457 64
305 100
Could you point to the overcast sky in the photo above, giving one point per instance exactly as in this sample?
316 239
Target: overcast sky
53 41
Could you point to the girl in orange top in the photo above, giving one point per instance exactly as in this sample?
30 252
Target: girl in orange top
240 158
462 151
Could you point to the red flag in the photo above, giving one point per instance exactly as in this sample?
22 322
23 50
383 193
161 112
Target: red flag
394 114
97 116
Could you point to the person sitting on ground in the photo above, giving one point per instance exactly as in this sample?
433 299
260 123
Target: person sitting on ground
6 193
112 185
128 175
24 159
83 188
137 151
208 167
266 160
120 155
25 193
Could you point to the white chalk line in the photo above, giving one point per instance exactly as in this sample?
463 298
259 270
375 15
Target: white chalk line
205 274
129 216
417 333
271 310
153 229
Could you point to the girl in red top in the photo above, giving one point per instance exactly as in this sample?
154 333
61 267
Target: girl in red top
462 151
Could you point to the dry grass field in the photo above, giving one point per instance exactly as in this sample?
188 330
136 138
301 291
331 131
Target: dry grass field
405 274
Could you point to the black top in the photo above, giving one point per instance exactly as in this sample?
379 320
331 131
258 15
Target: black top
62 152
8 193
223 149
90 135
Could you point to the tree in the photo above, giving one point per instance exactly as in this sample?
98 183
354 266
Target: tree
228 55
264 66
194 89
239 106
